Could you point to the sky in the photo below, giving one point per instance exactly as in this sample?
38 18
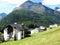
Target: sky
6 6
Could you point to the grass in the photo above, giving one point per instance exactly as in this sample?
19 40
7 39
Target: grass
49 37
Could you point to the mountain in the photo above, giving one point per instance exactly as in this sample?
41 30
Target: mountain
38 8
35 7
2 15
33 12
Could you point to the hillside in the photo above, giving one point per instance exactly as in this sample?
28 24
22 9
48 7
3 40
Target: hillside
22 15
49 37
36 13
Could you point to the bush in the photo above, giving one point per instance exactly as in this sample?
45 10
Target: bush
30 24
1 37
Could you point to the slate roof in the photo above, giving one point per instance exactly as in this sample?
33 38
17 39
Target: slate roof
18 27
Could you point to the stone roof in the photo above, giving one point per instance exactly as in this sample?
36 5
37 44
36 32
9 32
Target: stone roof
18 26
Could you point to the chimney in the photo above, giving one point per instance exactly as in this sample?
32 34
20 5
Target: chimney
15 23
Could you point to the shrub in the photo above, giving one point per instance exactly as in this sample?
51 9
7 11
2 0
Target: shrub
1 37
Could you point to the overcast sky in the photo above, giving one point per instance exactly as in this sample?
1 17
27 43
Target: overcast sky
8 5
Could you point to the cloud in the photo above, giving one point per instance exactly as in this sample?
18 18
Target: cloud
8 5
14 1
58 10
51 2
1 4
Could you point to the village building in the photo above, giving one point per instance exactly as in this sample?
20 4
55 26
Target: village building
34 31
55 25
15 31
42 28
52 26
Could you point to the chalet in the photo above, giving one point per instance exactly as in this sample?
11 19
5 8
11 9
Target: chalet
55 25
33 31
15 31
42 28
52 26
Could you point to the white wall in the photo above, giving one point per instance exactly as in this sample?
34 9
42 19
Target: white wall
6 35
41 28
18 35
55 25
52 26
33 31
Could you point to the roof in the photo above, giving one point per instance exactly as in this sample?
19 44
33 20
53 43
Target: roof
18 26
